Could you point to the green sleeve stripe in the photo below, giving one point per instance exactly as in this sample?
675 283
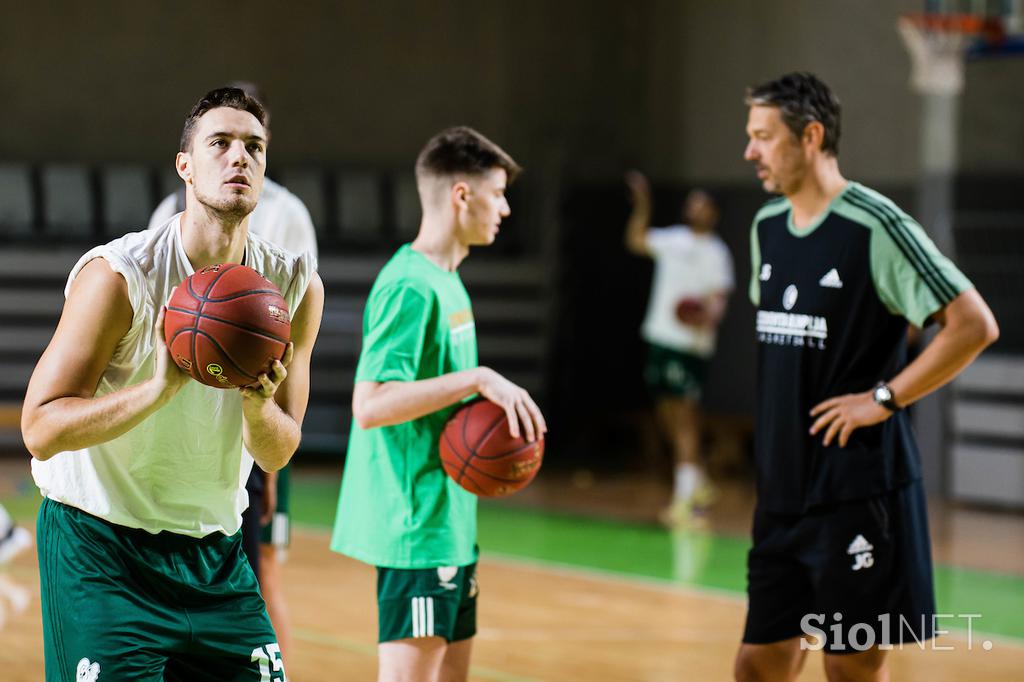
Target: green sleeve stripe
941 288
768 209
906 246
754 289
924 262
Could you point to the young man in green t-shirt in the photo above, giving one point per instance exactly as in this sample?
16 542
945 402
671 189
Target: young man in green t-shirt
398 510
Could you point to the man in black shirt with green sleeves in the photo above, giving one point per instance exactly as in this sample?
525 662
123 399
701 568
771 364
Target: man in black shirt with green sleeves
841 548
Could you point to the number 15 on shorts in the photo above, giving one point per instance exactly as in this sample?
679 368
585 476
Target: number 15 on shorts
271 666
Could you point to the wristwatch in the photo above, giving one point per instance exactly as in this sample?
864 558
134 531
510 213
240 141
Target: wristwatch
884 397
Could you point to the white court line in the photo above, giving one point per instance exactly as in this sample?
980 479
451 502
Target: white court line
667 585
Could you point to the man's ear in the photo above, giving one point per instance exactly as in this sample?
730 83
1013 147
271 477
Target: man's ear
459 193
814 135
183 165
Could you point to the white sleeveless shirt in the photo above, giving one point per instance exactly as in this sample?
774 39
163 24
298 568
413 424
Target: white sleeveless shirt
183 469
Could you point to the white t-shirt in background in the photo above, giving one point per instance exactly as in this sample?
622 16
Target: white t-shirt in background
687 264
280 217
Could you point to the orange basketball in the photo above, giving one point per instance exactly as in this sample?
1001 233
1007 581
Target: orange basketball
691 311
226 324
478 453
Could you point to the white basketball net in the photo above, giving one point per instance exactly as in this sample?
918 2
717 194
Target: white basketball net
937 58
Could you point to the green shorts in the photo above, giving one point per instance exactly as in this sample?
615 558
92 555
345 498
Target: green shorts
670 372
428 602
123 604
278 532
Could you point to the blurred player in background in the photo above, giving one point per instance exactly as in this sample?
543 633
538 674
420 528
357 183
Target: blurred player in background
398 510
142 468
13 538
693 275
282 219
838 271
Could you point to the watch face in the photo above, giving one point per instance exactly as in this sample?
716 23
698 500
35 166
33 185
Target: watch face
883 394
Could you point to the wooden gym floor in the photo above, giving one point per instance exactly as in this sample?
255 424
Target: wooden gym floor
565 597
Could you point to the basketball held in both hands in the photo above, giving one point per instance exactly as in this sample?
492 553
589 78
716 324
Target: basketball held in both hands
479 453
691 311
226 324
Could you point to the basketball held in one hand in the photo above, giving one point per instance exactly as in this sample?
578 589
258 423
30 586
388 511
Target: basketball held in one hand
691 311
226 324
478 453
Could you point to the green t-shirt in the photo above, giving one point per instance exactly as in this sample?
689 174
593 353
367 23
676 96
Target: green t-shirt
397 507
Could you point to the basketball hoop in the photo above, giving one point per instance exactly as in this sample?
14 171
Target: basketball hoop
937 44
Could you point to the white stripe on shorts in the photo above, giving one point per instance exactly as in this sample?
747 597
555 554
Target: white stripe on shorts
422 616
430 616
415 617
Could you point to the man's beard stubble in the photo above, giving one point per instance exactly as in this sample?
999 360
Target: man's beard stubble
232 210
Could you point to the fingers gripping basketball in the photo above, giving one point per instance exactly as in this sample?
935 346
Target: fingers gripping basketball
478 452
226 324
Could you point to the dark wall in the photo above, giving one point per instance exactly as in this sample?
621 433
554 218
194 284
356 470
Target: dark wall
348 82
585 86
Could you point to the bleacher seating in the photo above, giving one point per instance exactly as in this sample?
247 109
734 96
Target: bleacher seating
127 199
509 292
68 201
360 206
17 214
308 185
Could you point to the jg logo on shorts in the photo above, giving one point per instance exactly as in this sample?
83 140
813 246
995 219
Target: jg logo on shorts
860 549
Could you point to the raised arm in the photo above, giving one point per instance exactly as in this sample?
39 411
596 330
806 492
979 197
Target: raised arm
61 412
640 218
272 414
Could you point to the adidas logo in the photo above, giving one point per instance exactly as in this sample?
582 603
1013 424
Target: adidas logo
859 545
831 280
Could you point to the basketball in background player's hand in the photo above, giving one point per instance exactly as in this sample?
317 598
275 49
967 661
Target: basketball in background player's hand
226 324
691 311
478 453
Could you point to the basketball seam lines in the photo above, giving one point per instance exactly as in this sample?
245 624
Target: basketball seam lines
467 462
483 439
239 325
490 475
199 311
203 300
488 433
243 294
222 350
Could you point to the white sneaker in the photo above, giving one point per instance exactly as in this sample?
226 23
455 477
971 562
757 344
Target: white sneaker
17 540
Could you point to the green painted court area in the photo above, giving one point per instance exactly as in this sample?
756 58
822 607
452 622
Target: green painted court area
700 560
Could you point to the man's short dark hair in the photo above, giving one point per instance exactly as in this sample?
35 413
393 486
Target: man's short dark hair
463 150
232 98
801 98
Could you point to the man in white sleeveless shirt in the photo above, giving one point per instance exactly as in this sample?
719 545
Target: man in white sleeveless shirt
141 569
283 220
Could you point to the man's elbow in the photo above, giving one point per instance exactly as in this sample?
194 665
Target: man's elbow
363 416
989 330
982 329
40 448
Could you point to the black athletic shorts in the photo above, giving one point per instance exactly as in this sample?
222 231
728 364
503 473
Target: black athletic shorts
850 575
